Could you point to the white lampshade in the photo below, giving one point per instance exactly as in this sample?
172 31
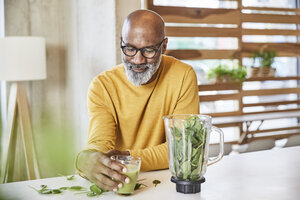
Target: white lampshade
22 58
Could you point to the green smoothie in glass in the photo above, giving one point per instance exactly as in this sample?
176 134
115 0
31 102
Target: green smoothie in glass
132 173
133 165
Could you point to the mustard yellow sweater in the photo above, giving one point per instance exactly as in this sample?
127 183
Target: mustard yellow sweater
128 117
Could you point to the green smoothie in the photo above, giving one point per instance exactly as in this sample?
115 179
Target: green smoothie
132 173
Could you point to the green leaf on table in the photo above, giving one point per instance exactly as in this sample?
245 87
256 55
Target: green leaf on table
139 184
56 191
70 177
94 191
91 194
63 188
94 188
46 191
156 182
43 187
77 188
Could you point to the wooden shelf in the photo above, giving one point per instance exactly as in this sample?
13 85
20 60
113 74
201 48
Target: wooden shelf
274 78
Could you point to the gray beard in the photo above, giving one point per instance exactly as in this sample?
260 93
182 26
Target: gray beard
140 78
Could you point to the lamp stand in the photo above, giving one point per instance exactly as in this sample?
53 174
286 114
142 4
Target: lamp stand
19 116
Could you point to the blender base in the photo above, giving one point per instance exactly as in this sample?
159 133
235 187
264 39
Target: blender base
188 187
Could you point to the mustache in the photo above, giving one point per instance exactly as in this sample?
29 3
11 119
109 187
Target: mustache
140 66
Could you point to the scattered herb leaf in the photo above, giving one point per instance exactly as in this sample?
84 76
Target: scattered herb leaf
91 194
94 188
63 188
94 191
76 188
138 185
71 177
56 191
155 182
43 187
44 190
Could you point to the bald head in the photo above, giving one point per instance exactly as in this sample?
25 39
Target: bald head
145 26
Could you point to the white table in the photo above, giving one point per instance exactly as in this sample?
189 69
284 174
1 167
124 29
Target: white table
264 175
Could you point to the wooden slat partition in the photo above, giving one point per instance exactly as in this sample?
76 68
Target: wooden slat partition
197 15
274 129
271 9
271 32
282 49
228 16
236 17
224 114
271 18
173 31
272 111
235 95
220 86
238 94
218 97
276 103
188 54
275 137
273 78
263 92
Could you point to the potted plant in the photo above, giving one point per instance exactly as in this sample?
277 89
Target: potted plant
223 73
265 59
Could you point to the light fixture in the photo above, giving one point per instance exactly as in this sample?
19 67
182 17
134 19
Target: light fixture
21 59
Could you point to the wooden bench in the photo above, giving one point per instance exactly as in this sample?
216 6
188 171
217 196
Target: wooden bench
270 110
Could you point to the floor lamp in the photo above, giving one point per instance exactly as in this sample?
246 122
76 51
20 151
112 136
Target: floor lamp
21 59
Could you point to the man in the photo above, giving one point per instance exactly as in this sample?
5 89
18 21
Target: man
126 104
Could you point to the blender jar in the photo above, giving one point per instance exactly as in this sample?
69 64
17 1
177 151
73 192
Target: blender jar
187 137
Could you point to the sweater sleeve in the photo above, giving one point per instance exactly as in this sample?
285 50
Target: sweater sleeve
188 100
102 125
153 158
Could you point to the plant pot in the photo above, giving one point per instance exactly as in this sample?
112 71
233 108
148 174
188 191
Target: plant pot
262 72
223 79
267 72
254 72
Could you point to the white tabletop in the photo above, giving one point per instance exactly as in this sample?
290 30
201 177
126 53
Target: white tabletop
271 174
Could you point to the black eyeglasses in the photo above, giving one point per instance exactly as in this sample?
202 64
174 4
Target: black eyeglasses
147 52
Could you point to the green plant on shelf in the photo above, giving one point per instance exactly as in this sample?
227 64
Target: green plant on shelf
264 57
224 73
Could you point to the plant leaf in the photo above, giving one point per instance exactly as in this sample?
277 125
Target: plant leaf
76 188
70 177
156 182
91 194
63 188
94 188
55 191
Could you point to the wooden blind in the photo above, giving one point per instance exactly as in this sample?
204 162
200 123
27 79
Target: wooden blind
235 17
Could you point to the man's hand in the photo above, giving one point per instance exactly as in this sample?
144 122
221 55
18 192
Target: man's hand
99 169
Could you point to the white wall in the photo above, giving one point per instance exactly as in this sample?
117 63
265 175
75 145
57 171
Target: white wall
82 39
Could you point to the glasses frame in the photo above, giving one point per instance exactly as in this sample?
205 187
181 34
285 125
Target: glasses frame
141 49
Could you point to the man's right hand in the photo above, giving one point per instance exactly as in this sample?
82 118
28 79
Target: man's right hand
98 168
